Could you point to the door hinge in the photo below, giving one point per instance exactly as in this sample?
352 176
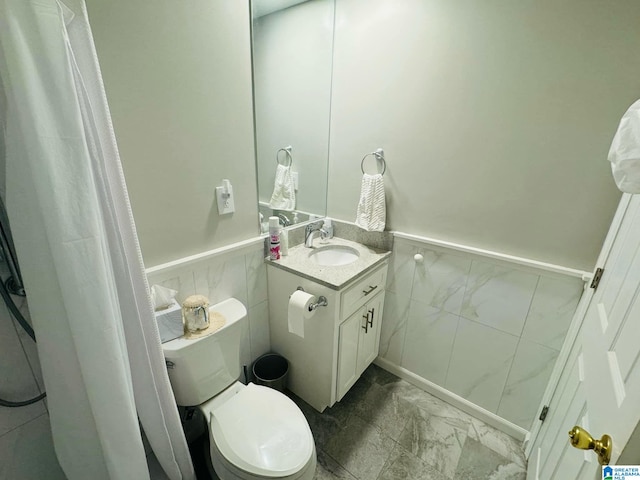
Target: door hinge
543 413
596 278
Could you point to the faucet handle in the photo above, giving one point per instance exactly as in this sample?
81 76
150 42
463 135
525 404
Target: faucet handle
312 227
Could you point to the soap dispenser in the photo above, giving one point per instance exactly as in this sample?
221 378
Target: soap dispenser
328 228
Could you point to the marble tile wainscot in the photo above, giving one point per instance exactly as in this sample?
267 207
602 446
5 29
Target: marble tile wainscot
476 329
237 270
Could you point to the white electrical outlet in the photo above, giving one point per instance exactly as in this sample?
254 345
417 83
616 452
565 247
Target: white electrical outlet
224 196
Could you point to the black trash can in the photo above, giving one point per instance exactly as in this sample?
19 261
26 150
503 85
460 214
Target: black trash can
271 370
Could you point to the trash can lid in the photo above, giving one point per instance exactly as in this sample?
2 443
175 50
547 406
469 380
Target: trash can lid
262 431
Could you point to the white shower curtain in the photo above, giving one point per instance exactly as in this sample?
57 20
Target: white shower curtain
97 339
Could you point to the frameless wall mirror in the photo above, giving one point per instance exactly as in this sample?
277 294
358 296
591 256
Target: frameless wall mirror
292 57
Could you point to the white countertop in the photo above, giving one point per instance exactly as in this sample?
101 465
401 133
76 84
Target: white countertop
335 277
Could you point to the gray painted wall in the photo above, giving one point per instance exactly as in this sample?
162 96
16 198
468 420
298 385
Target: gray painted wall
178 80
496 118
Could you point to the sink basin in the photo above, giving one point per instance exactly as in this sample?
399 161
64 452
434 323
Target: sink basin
334 255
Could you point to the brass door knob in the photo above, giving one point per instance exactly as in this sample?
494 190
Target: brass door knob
581 439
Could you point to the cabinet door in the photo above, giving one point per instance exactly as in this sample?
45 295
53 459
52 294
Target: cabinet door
348 352
369 341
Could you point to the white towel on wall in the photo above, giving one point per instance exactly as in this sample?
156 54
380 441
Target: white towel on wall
284 192
372 211
624 153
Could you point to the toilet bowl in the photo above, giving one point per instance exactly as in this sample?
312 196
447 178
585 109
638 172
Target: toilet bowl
254 432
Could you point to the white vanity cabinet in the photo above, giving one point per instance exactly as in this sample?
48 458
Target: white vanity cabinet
358 343
340 340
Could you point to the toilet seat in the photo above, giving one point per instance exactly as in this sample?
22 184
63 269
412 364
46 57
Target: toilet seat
263 432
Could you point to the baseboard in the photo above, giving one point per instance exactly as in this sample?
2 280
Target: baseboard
457 401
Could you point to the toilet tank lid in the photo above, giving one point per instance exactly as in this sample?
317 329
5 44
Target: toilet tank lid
231 309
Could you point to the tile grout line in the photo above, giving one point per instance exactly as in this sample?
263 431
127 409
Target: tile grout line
25 423
14 322
406 326
515 353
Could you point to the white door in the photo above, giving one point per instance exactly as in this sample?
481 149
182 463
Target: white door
599 388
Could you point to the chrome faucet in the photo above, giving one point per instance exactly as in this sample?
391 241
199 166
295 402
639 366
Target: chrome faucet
311 231
284 220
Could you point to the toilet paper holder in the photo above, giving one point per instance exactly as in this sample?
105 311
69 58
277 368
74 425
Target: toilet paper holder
322 301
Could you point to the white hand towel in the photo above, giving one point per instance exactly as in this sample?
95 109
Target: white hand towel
284 193
624 153
372 211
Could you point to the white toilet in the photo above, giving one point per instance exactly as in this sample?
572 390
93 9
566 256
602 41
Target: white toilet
255 432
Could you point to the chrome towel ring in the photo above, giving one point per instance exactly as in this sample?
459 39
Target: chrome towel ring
379 154
287 151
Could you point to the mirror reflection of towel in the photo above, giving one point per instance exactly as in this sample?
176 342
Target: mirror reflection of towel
372 211
284 193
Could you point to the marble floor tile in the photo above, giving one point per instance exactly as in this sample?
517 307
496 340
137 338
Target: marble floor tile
328 469
325 425
436 440
388 429
361 448
21 446
403 465
29 344
414 395
375 374
430 404
498 441
356 393
478 462
385 409
17 381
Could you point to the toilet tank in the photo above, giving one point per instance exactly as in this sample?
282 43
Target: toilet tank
201 368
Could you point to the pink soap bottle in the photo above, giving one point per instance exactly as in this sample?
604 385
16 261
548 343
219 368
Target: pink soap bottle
274 238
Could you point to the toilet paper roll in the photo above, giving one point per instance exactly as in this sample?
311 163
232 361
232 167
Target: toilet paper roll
299 311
